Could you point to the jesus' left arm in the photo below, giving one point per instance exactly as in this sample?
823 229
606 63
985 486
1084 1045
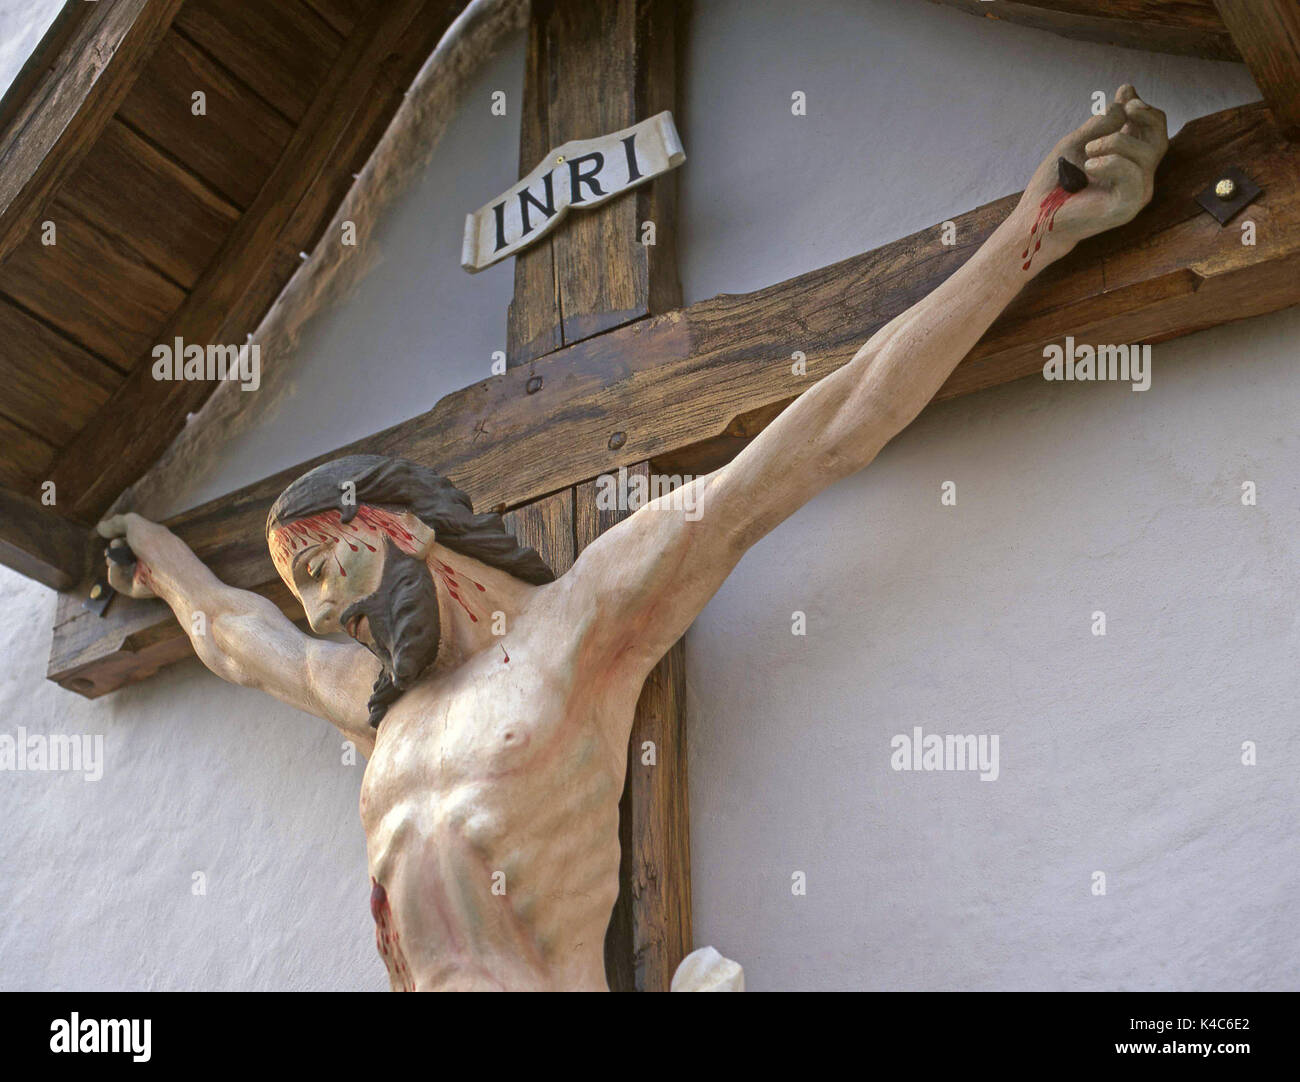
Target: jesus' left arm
644 581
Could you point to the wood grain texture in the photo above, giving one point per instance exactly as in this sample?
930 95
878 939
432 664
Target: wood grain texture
145 203
594 69
144 414
58 393
547 525
1182 27
1267 34
25 457
283 51
36 541
534 326
671 382
95 290
233 147
59 121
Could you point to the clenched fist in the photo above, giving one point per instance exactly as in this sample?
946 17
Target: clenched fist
1118 152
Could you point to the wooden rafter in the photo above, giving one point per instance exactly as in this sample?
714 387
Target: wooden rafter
1267 33
47 137
672 383
36 542
1183 27
145 414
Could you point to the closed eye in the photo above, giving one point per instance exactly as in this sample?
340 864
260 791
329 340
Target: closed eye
303 562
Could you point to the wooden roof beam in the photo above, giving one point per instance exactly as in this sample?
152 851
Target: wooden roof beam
1267 33
1185 28
50 132
676 382
144 415
36 541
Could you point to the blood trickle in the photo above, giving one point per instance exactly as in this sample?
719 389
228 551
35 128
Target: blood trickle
448 576
387 939
1052 202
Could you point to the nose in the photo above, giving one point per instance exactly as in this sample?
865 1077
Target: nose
323 617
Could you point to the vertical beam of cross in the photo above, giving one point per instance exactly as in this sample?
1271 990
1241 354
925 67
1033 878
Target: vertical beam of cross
593 69
1267 32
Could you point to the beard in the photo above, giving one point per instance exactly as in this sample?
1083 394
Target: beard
404 627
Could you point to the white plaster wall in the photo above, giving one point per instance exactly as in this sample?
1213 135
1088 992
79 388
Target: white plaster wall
1118 754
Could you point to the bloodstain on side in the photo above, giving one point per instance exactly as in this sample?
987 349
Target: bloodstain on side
387 939
1052 202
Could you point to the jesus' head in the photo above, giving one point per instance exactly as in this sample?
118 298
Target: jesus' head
355 540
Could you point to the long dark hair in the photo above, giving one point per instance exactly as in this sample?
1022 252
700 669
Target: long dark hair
397 484
402 613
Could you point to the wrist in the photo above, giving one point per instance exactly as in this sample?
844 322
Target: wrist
1030 240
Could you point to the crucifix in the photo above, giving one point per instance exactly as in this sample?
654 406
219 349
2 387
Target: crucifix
495 693
609 371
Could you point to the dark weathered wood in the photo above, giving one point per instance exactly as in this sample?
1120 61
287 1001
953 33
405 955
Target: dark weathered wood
1183 27
1267 33
283 51
673 381
547 525
24 456
93 289
36 541
533 322
233 147
58 395
48 135
343 15
164 215
593 69
650 927
144 415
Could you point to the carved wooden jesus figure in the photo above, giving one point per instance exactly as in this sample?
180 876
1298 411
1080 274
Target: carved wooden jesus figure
494 701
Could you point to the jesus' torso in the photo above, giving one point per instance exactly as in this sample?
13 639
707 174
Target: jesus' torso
490 806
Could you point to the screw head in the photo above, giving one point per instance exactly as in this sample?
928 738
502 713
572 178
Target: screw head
559 159
96 591
1226 188
533 385
617 440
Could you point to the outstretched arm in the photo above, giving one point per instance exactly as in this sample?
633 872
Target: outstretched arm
654 572
243 637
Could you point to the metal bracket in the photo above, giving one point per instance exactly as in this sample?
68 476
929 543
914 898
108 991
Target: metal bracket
101 595
1231 192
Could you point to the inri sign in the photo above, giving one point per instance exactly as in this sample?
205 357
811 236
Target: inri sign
583 173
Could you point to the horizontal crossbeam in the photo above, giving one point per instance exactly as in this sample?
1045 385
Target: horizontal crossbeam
667 384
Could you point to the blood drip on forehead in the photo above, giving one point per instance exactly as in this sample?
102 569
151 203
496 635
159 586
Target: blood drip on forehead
368 528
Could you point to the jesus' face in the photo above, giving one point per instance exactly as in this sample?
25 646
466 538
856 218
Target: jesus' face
367 577
332 565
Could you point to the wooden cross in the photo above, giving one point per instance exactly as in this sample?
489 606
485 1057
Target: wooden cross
607 369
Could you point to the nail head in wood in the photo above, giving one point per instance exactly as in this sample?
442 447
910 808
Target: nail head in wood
617 440
534 384
101 594
1232 192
